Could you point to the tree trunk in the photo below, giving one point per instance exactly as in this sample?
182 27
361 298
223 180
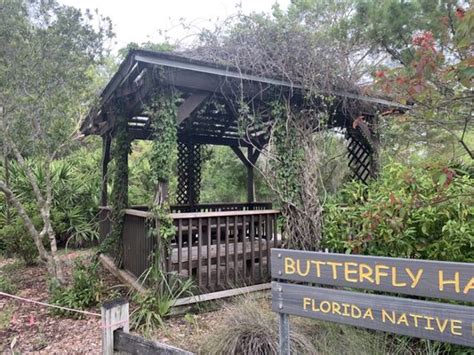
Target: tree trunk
26 219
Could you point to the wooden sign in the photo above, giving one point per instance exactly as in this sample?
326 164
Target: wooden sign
423 319
426 278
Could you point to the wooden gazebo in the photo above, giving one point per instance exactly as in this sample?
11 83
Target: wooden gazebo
221 245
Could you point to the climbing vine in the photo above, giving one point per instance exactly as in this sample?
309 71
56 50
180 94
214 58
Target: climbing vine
289 155
292 168
162 111
119 195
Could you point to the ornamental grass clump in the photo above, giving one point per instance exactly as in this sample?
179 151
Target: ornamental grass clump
250 327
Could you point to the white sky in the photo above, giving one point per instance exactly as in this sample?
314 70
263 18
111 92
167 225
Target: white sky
140 20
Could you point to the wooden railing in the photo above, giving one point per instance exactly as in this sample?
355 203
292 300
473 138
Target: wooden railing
217 249
214 207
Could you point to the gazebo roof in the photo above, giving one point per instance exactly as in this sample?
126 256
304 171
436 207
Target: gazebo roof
200 82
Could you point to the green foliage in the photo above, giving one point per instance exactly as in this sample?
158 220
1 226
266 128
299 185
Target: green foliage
159 47
6 285
47 74
119 195
85 290
15 241
224 178
163 113
391 24
424 212
289 156
156 303
75 185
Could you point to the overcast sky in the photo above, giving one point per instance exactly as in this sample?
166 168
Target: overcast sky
140 20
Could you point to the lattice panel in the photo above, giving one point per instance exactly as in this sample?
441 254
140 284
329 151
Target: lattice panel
360 156
189 174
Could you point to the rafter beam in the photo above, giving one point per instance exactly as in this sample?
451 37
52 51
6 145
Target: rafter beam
190 105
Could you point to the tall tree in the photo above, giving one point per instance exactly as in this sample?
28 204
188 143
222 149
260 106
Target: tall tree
47 60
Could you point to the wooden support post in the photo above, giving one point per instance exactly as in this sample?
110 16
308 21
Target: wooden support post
106 141
114 316
250 178
284 334
249 163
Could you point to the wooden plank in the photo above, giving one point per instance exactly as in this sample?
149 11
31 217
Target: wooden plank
241 156
227 231
190 105
206 214
190 247
260 251
208 251
236 253
268 231
114 315
244 248
421 319
199 258
252 248
250 176
213 252
133 344
180 245
218 262
438 279
122 275
222 294
138 213
276 237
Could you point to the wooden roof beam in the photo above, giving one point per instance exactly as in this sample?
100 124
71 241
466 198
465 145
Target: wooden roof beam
190 105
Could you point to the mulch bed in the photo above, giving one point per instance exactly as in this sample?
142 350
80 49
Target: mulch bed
31 328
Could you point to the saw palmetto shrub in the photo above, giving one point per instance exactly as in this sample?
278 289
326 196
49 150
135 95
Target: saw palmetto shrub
75 189
424 211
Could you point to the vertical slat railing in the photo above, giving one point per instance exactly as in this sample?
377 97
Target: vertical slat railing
236 253
218 255
209 253
244 247
190 247
199 253
252 248
268 232
226 248
180 246
260 246
227 260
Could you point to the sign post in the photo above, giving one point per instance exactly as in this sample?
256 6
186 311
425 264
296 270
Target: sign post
423 319
284 334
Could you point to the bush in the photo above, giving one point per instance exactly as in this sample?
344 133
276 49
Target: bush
154 305
16 241
422 212
75 181
250 327
85 290
6 285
